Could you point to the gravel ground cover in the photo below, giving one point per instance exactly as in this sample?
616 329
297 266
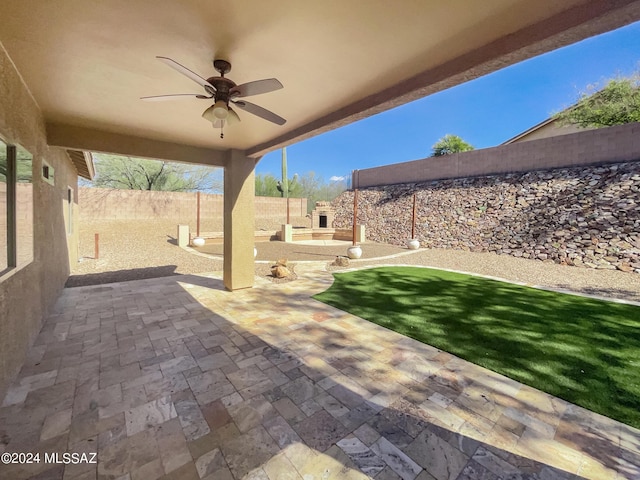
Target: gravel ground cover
133 250
136 250
605 283
272 251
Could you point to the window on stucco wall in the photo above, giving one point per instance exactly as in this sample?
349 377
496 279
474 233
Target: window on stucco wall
4 253
24 207
69 210
16 207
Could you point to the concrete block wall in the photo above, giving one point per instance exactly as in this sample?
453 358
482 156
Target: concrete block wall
110 204
589 147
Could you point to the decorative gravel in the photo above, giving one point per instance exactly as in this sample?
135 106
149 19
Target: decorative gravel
604 283
273 251
136 250
133 250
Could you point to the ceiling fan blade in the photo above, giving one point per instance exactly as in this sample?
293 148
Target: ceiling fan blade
260 112
186 72
163 98
256 88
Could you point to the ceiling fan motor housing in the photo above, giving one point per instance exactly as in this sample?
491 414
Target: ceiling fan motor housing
222 66
221 84
223 87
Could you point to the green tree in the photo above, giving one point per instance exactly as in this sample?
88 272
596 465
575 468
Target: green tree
315 189
113 171
450 144
23 164
266 186
310 186
615 104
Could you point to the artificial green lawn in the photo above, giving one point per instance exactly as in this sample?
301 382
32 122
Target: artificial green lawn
583 350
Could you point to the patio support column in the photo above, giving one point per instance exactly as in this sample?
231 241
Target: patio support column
239 215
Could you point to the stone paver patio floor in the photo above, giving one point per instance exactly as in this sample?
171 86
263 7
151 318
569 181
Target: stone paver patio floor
176 378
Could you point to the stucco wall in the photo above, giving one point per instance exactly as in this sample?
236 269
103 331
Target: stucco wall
28 294
552 129
107 204
590 147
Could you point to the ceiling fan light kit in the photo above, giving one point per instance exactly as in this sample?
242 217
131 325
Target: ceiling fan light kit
224 91
232 117
220 109
209 115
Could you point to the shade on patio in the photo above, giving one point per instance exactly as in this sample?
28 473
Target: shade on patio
176 378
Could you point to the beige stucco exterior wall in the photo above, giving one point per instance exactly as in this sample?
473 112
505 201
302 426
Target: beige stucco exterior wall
550 130
28 294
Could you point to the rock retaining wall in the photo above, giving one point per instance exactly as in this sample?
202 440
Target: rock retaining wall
586 216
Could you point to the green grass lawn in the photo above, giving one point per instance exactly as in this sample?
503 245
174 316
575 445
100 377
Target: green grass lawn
583 350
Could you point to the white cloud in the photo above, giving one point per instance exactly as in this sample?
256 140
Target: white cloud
335 178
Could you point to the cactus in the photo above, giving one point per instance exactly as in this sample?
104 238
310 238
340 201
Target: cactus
285 181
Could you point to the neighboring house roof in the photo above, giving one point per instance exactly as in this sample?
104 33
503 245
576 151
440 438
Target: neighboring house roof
550 127
536 127
83 161
545 129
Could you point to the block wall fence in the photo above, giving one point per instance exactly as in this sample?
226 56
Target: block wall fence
590 147
111 204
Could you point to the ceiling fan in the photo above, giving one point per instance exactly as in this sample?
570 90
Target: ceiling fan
224 92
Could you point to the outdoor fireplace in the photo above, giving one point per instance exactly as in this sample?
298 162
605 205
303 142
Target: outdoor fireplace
323 215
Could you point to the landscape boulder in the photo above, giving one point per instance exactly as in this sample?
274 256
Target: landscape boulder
280 271
341 261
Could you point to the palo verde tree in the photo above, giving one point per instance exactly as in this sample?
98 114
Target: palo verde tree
315 189
615 104
129 173
450 144
267 186
310 186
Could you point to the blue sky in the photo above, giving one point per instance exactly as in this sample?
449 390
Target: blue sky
485 112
